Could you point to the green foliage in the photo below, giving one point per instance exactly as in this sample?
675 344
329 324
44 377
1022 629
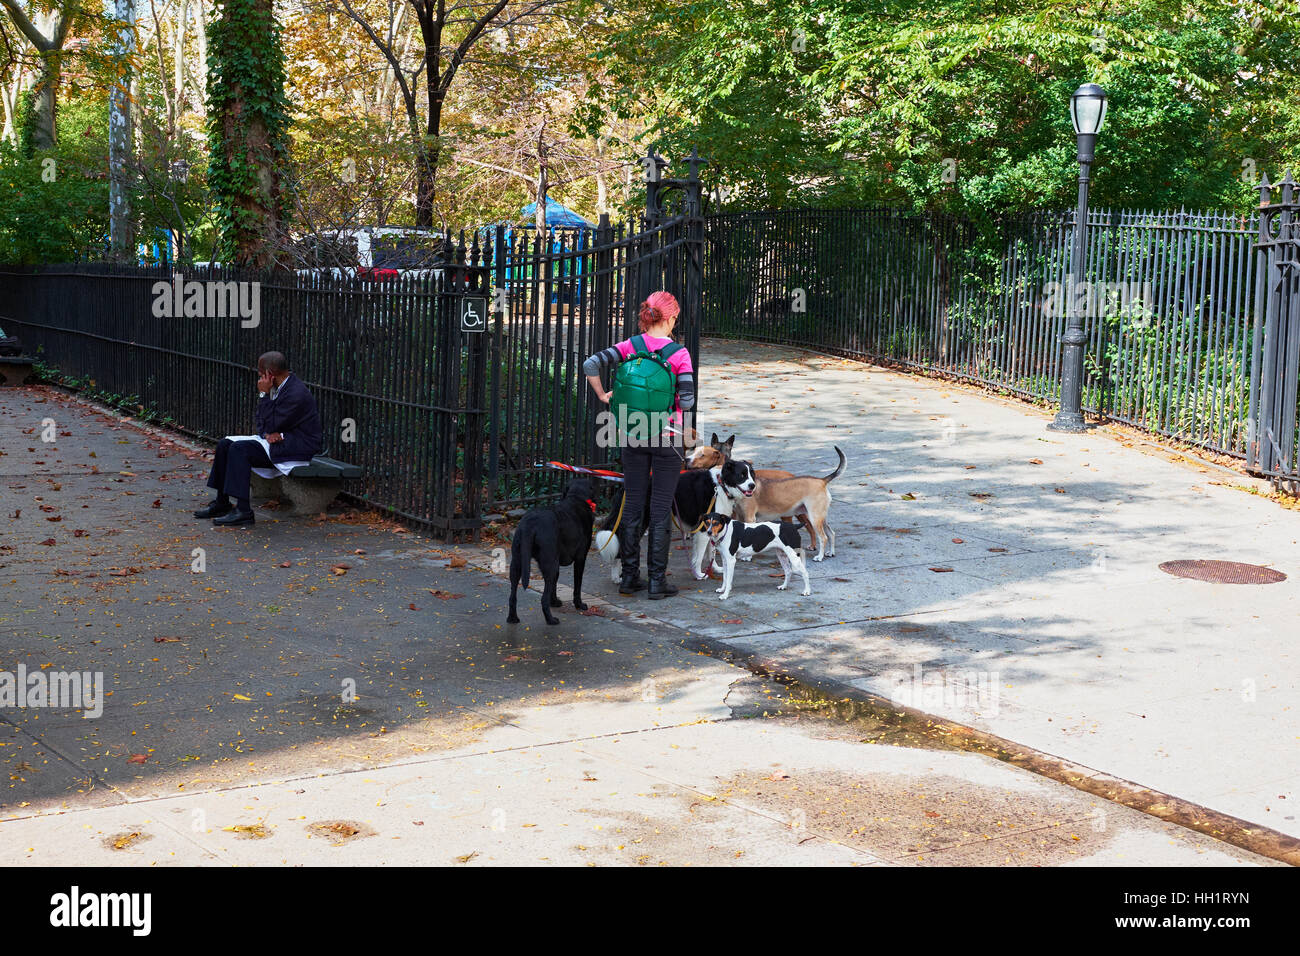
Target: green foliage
54 203
852 101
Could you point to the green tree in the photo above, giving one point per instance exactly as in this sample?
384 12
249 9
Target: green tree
961 104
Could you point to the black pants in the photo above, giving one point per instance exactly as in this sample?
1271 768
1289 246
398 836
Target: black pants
652 471
234 464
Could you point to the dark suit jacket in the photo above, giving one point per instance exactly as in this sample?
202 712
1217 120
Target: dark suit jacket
292 412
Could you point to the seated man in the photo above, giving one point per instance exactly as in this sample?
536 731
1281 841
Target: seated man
288 435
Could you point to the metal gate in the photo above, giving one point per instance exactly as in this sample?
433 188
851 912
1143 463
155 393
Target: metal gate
1274 394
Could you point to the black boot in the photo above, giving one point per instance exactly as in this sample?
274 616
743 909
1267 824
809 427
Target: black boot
661 536
630 553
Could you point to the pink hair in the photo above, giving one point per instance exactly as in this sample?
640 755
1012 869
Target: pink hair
656 308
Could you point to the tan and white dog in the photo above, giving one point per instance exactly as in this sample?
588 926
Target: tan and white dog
717 453
751 498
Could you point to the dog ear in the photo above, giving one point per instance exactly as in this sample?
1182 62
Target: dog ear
730 442
715 439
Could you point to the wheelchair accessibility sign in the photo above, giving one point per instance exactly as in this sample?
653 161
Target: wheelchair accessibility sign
473 313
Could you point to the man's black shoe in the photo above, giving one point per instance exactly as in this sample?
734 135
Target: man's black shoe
235 517
214 510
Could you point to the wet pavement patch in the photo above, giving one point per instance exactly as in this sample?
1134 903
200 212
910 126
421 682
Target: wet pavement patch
339 832
924 821
126 840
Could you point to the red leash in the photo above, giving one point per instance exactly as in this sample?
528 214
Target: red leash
604 473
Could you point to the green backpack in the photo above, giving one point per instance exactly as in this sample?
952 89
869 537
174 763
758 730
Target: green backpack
645 390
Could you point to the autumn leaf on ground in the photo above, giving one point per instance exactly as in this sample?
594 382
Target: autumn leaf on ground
137 758
1035 461
167 640
940 570
47 542
157 503
444 595
958 541
998 550
340 569
594 611
286 564
239 697
1060 491
909 497
981 495
412 607
254 831
457 562
731 620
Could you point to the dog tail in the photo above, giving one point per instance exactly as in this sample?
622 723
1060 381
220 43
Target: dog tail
840 469
521 548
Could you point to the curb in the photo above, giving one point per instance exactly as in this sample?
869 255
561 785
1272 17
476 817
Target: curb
1252 837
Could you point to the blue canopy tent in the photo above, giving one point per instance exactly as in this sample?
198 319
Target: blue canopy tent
572 233
558 216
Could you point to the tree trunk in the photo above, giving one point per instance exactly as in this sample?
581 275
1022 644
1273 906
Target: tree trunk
121 231
539 211
46 34
248 133
44 135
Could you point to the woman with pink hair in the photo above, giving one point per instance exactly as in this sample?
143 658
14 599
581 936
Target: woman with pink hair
650 468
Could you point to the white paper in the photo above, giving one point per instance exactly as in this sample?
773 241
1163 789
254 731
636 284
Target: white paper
279 467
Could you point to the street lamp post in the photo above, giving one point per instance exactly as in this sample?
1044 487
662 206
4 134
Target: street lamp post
1088 112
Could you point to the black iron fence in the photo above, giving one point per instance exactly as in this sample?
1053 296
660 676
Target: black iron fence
1274 442
447 416
1172 299
1194 324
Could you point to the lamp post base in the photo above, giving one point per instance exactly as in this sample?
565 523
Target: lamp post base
1068 422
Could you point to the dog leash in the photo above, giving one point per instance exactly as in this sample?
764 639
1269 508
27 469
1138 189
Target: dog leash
603 473
681 528
621 502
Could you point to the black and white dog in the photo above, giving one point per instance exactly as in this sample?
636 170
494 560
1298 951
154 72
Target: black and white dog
554 537
737 541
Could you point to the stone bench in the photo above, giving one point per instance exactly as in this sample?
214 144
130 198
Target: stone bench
309 489
15 369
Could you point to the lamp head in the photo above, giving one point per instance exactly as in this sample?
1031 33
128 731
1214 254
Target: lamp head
1087 113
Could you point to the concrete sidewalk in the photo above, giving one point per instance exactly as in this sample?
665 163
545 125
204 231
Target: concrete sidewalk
343 692
1005 577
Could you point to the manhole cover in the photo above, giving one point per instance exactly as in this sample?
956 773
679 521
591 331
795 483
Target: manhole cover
1223 572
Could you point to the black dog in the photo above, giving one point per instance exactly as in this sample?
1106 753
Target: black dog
692 501
556 536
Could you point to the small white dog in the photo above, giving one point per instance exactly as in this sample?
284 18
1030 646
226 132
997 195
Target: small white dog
737 541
